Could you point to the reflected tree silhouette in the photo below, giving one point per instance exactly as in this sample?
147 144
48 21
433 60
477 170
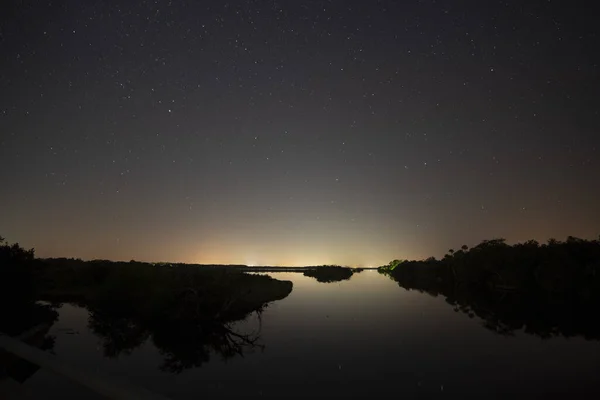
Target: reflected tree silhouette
183 344
191 346
545 290
118 334
189 312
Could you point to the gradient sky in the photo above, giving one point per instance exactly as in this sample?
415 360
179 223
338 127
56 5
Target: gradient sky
296 132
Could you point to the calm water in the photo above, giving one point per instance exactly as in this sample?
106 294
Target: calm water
362 337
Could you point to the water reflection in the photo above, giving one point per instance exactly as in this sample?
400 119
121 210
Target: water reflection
118 335
506 312
364 337
546 291
182 344
31 323
191 347
188 314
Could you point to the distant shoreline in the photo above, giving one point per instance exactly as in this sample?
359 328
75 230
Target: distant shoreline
237 267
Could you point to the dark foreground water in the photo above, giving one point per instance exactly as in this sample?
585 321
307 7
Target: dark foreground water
365 337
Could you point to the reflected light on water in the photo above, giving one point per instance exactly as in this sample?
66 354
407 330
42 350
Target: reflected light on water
382 324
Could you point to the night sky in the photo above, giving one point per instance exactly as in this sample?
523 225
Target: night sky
296 132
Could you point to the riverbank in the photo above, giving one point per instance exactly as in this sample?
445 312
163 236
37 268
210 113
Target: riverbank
550 289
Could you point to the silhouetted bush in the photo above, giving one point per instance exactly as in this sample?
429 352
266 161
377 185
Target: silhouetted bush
330 273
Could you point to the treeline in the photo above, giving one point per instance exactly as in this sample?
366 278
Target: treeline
16 270
159 291
186 311
546 289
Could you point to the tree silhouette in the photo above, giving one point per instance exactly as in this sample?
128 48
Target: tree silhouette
547 290
331 273
187 311
20 314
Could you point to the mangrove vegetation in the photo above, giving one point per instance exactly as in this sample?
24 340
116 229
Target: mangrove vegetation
188 312
545 289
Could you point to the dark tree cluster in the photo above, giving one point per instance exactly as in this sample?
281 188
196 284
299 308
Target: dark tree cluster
544 289
331 273
188 311
20 314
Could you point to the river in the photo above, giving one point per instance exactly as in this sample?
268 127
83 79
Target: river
363 337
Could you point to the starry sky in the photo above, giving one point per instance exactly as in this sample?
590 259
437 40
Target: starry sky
296 132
